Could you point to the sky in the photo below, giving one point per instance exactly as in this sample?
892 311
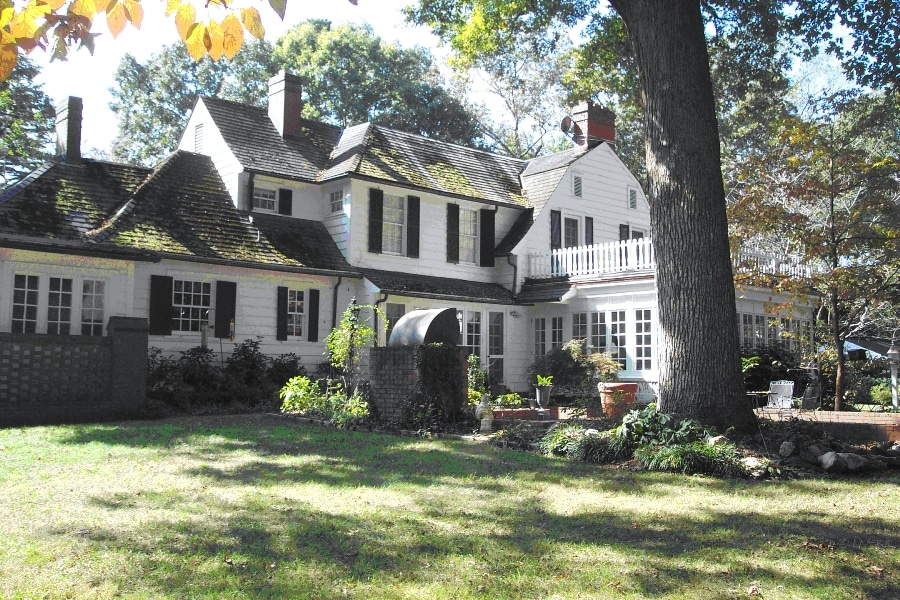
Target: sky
90 77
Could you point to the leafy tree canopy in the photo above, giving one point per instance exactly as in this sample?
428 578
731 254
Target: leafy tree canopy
349 75
26 123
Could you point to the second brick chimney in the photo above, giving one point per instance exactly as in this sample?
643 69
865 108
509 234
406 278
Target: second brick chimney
285 104
593 124
68 129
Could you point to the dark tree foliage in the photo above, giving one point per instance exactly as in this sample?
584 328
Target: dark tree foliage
26 123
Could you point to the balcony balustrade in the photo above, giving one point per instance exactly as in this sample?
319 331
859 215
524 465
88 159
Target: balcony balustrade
637 256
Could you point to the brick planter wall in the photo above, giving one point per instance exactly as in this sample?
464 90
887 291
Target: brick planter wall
61 378
855 427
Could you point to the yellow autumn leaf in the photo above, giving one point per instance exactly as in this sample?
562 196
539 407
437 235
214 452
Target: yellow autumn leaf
24 24
6 13
185 19
232 36
214 40
116 18
9 54
83 8
134 11
172 6
195 41
252 22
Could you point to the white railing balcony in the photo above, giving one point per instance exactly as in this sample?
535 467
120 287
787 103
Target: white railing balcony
592 261
585 262
761 263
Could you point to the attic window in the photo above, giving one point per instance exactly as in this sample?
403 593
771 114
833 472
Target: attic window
336 201
576 185
264 199
632 198
198 137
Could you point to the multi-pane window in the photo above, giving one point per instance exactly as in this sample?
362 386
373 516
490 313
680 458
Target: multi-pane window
295 313
643 340
264 199
556 332
468 235
336 201
191 302
394 219
59 306
495 347
598 332
617 340
472 333
570 232
540 336
576 185
580 326
25 304
92 307
747 337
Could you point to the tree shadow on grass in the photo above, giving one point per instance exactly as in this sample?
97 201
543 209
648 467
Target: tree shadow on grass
291 550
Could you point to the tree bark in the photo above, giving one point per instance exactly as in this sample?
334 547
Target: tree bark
700 374
839 347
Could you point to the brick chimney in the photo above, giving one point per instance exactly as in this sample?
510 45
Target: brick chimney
593 124
285 104
68 129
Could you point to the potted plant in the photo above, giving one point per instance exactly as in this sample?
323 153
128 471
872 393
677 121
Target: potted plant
542 390
617 397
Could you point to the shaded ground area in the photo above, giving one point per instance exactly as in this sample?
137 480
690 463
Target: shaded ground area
261 507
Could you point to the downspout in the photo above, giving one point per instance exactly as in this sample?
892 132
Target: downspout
334 299
384 298
515 266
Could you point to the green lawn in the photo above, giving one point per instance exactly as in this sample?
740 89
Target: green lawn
261 507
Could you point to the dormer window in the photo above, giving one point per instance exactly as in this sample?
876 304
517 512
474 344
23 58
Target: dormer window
264 199
336 201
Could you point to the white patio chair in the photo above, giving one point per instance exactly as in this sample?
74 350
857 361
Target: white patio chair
781 394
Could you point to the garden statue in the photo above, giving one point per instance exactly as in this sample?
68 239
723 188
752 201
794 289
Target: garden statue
484 414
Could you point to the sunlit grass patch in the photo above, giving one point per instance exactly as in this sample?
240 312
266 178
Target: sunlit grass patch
259 507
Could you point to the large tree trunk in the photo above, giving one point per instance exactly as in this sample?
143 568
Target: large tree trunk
838 341
700 374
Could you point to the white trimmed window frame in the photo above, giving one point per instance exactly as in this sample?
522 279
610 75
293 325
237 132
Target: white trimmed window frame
192 300
468 236
49 303
393 225
265 199
296 314
336 202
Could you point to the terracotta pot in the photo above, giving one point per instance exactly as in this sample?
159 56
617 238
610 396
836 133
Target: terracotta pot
615 405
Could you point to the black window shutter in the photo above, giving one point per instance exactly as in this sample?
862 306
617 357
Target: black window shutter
486 236
624 233
412 227
312 323
226 302
453 233
281 305
555 230
376 217
588 231
285 202
160 305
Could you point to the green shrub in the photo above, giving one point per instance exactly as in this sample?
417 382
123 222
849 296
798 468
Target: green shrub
285 367
247 363
692 458
603 447
647 427
197 369
510 399
559 440
520 435
301 394
881 394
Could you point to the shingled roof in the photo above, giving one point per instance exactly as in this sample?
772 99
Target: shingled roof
411 160
256 143
65 200
184 210
441 288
